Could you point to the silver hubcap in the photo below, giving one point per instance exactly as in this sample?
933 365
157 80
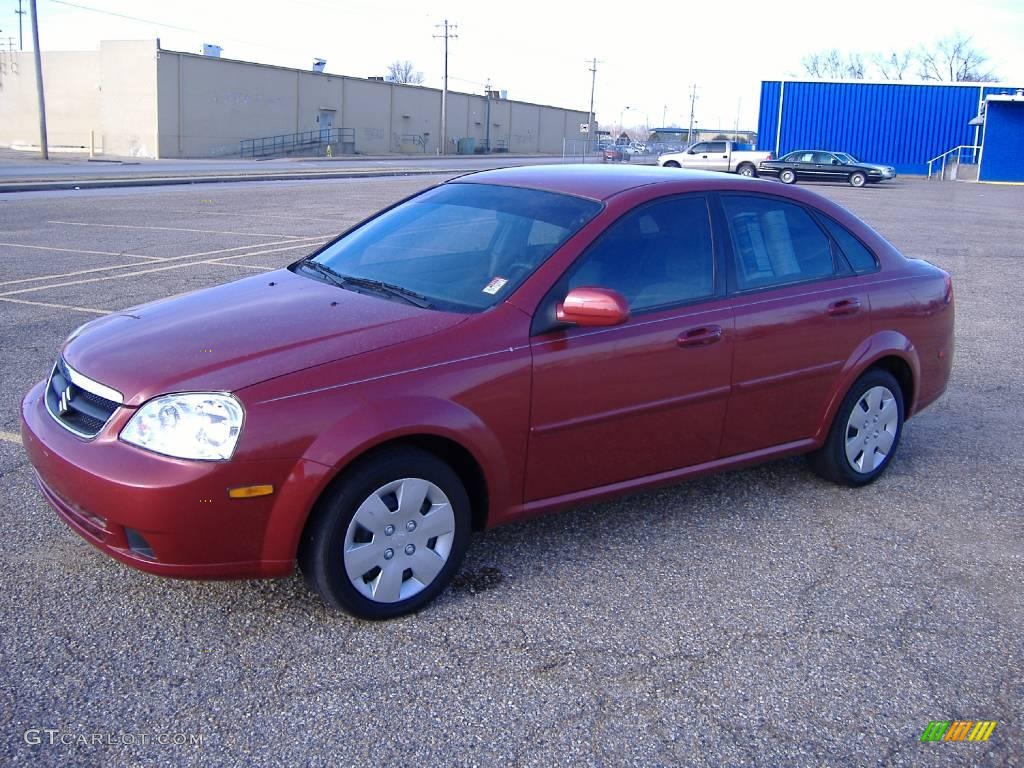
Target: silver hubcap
746 171
871 430
399 540
787 176
858 181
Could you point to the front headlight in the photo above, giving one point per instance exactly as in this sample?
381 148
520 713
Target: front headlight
194 425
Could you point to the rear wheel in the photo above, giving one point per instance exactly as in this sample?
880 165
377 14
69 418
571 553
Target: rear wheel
390 535
857 179
672 164
788 176
865 433
748 170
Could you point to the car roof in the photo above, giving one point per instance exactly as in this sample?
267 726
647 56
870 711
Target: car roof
597 181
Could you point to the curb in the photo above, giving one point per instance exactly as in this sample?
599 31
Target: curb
159 181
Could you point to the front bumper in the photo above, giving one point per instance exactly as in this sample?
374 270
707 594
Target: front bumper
169 516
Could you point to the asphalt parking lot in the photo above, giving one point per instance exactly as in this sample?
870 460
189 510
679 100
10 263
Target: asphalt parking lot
760 618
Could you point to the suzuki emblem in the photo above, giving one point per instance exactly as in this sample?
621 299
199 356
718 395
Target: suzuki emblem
65 400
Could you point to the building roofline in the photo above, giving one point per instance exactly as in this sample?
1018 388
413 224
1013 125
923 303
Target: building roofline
848 81
364 79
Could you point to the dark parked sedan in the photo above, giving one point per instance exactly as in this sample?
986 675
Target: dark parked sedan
502 345
816 165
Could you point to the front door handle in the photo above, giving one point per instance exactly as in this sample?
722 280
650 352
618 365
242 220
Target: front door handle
700 337
844 307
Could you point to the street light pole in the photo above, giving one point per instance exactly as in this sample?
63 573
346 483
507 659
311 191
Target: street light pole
591 125
693 104
43 149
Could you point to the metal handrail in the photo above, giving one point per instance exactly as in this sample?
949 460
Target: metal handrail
287 142
944 155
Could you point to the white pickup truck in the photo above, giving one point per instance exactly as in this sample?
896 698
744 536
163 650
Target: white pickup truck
716 156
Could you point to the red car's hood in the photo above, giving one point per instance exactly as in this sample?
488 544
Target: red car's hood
233 335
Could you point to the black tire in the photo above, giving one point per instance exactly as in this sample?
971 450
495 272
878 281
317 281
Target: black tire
672 164
787 176
831 461
858 179
748 170
322 550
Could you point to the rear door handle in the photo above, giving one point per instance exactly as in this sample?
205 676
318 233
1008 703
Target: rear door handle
844 307
700 337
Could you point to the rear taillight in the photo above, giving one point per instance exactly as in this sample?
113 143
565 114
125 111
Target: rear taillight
769 157
947 297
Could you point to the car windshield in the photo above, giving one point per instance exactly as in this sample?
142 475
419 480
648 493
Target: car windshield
458 247
846 157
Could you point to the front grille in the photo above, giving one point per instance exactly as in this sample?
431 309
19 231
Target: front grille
78 403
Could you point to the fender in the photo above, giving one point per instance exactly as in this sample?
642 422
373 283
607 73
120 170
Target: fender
360 430
881 344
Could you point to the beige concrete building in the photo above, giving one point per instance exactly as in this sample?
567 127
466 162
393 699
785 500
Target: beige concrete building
132 98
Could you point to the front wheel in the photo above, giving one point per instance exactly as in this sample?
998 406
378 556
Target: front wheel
389 537
858 179
787 177
865 433
748 170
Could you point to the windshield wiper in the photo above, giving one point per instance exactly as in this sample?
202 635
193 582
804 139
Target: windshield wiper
334 277
377 286
416 299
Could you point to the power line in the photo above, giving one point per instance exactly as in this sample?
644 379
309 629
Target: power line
124 16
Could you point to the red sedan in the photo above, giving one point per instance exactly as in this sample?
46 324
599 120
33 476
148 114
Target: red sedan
493 348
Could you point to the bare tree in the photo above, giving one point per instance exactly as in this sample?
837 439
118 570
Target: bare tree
955 59
834 65
895 66
404 72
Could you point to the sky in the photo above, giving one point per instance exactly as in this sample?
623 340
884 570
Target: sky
648 57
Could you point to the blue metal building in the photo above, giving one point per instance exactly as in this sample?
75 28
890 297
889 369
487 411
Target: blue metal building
900 124
1002 149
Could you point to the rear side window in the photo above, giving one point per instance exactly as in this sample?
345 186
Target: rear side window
775 242
861 259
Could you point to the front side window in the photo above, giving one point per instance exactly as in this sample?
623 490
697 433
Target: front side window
775 242
460 246
658 255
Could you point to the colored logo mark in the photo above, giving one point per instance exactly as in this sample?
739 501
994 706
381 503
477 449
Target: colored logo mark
958 730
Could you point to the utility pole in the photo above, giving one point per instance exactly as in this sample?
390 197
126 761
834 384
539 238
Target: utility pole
693 104
21 46
44 150
592 125
449 33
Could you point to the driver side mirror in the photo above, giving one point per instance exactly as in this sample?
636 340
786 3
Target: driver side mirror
589 307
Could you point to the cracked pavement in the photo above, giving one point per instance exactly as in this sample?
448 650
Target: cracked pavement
756 618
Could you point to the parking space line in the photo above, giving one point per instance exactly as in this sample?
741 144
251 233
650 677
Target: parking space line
58 306
184 265
236 264
10 437
79 250
172 229
260 216
166 258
